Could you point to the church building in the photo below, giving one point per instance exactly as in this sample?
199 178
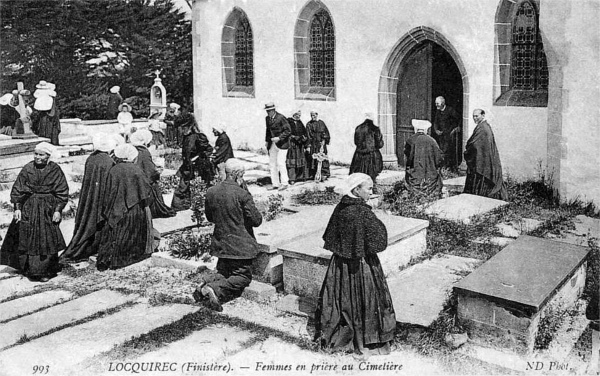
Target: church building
532 65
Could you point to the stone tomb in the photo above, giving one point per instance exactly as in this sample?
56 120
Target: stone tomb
502 302
463 208
305 261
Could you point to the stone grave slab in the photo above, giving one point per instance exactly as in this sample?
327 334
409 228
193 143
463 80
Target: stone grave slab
586 229
60 315
420 291
455 184
390 177
183 220
514 229
11 147
18 307
13 286
463 207
298 305
305 261
64 349
501 302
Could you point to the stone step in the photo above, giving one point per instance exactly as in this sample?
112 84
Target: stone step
17 285
61 315
203 347
64 350
305 261
19 307
462 208
420 292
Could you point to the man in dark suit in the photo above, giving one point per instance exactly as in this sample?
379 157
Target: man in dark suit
277 141
446 128
231 208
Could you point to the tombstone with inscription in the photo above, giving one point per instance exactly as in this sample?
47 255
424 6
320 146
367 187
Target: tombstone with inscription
158 97
503 301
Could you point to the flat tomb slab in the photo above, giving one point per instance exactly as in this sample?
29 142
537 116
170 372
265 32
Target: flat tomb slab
501 303
18 307
305 261
18 146
463 207
181 221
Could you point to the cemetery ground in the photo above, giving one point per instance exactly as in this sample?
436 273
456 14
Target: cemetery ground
86 322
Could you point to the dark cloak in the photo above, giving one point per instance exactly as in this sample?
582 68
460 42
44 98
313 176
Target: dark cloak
355 310
32 245
367 157
223 149
8 119
423 160
127 236
484 170
317 131
112 110
158 208
88 220
296 158
46 123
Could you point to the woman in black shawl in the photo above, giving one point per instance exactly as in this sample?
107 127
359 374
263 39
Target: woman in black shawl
355 311
195 154
45 119
89 221
127 236
141 139
33 240
367 157
296 160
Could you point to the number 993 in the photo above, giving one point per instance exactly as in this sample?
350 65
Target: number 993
41 370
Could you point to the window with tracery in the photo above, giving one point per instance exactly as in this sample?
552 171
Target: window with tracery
244 67
529 68
322 51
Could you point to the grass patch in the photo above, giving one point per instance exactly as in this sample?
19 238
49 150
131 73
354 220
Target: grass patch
272 208
186 245
317 197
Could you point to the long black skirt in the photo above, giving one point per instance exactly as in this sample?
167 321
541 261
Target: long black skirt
158 208
369 163
355 311
477 184
130 241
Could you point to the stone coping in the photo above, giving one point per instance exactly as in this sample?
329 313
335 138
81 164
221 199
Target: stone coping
528 272
311 244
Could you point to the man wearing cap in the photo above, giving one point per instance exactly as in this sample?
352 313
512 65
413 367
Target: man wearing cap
368 140
484 170
277 143
114 100
423 161
232 210
223 149
446 127
45 119
89 220
127 236
296 160
318 139
34 239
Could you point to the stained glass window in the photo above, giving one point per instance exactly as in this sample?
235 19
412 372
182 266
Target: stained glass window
244 67
322 50
529 69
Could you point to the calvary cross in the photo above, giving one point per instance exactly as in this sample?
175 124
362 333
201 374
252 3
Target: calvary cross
27 133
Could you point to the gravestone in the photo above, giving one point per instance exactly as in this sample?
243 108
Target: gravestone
502 302
463 208
305 261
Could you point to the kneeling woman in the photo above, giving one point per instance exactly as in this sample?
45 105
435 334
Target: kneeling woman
355 311
127 236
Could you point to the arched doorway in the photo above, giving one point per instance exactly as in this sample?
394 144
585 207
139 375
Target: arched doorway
428 71
423 50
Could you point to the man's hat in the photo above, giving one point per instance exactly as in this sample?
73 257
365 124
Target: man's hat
269 106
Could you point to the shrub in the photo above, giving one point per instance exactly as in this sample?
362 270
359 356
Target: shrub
317 197
168 183
272 208
172 160
187 245
198 190
92 106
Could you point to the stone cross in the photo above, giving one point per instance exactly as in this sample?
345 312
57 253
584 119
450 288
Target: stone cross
27 133
320 157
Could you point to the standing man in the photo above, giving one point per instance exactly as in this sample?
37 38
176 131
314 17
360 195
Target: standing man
446 127
277 143
318 139
484 170
222 151
114 100
230 208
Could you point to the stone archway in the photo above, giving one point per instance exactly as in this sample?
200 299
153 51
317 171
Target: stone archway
388 83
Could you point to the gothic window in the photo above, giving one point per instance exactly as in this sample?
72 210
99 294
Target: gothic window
322 51
244 75
529 69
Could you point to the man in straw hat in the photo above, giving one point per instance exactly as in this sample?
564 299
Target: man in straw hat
89 220
231 208
114 100
277 141
34 239
223 149
423 162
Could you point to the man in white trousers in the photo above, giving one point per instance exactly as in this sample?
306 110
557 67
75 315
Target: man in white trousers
277 141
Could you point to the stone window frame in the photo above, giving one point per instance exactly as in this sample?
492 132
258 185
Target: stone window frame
230 89
302 88
503 92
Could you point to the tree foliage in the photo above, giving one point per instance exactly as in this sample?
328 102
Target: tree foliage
87 46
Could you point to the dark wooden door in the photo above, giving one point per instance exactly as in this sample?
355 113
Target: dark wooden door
414 95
